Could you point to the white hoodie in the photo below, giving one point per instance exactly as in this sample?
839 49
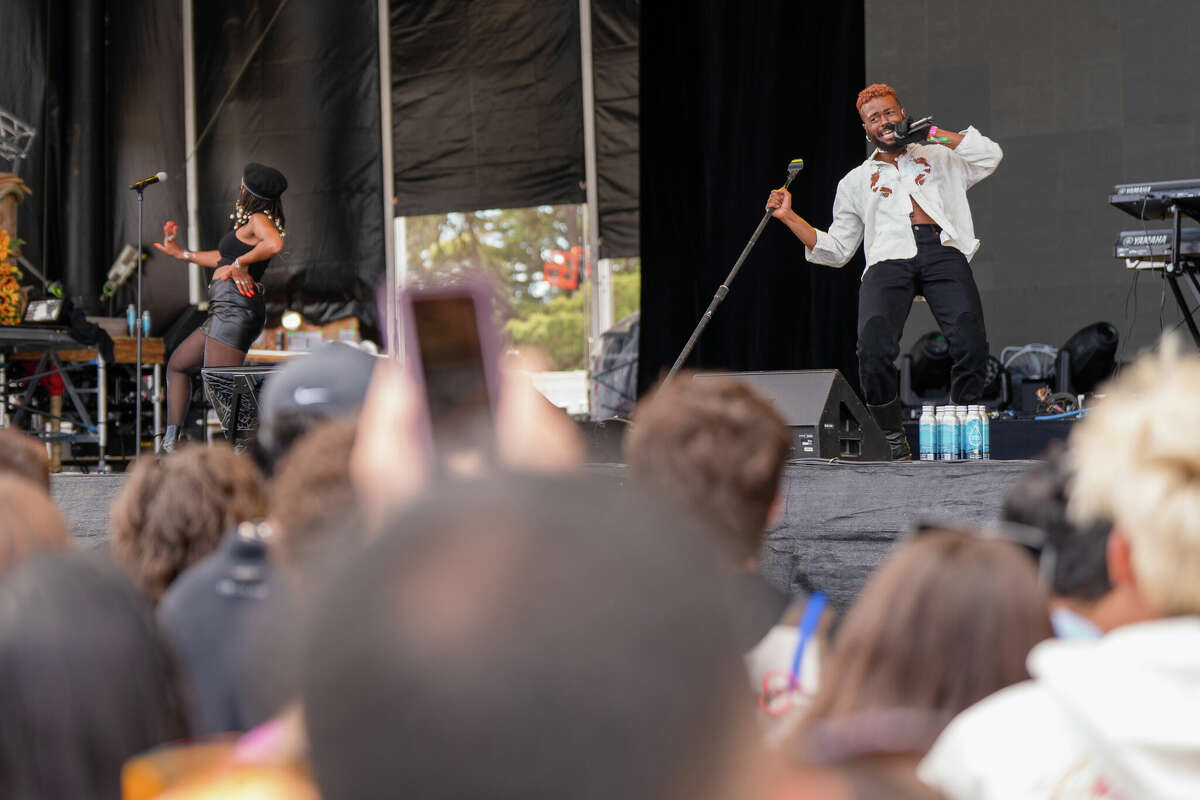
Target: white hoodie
1115 718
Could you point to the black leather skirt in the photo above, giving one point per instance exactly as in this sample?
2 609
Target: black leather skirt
233 318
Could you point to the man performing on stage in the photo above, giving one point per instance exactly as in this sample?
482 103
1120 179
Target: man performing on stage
910 200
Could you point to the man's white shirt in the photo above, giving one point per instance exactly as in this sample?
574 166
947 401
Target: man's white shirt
875 198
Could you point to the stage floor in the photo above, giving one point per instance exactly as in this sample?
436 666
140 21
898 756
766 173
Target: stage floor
839 520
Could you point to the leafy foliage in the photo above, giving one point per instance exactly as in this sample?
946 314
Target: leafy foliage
510 246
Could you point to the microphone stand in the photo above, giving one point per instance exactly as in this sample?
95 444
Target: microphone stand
793 169
137 328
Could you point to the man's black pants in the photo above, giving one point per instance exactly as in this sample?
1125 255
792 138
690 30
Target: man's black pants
942 275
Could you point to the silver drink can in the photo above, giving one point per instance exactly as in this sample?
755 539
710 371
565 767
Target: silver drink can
928 434
973 434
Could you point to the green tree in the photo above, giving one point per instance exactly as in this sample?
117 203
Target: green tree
511 246
558 329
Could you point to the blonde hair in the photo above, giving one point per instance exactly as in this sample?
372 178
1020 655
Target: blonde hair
1137 462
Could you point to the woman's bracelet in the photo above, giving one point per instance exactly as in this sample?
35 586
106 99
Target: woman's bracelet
188 255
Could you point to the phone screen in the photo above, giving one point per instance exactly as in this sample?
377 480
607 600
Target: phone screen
455 376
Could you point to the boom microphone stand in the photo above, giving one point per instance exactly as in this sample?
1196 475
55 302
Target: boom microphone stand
794 167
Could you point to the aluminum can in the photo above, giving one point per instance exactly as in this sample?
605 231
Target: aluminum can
927 434
987 433
146 322
131 319
973 434
948 434
960 414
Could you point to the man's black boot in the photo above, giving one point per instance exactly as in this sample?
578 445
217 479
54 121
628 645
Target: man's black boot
888 417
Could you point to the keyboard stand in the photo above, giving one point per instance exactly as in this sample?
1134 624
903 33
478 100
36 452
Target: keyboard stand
1175 270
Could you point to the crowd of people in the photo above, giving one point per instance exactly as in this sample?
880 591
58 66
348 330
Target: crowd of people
333 615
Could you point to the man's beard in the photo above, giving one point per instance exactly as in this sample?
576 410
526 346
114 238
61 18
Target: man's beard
886 146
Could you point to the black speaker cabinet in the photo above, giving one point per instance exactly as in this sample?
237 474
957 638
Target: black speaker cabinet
826 417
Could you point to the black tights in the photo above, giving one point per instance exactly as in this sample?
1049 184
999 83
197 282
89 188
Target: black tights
194 352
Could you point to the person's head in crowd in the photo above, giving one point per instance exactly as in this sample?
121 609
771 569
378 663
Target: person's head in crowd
1072 558
24 456
1136 458
715 447
88 680
946 620
311 492
328 383
173 512
525 638
30 521
314 520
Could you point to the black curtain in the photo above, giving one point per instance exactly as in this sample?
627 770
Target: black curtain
33 74
307 104
143 97
615 63
730 93
23 93
102 81
486 105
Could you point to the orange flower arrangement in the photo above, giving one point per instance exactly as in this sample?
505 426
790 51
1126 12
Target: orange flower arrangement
11 298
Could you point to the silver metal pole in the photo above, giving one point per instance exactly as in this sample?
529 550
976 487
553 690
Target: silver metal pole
3 392
602 306
195 285
389 182
102 411
158 406
137 394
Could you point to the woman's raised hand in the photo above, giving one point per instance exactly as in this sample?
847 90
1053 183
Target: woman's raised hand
169 244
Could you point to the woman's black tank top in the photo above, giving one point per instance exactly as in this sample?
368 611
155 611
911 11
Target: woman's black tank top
232 248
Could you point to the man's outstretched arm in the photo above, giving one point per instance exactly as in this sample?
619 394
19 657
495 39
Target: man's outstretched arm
833 248
780 202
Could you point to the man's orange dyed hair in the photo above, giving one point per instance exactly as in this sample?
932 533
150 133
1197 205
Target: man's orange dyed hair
873 91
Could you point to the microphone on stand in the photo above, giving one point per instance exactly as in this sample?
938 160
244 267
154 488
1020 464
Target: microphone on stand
138 186
157 177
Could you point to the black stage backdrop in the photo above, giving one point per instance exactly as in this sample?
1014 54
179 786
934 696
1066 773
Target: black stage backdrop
143 99
308 104
730 93
52 77
615 61
486 104
1081 96
29 90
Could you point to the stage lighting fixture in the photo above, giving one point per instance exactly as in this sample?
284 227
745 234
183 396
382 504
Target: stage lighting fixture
1092 353
290 320
930 364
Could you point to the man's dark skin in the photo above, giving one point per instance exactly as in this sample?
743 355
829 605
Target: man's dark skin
876 114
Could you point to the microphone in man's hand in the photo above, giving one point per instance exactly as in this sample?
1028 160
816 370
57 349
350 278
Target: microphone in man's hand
157 177
908 131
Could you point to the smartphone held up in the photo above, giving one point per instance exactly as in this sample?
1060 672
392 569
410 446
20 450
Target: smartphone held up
452 352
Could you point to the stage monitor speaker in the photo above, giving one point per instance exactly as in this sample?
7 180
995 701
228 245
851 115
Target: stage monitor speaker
826 417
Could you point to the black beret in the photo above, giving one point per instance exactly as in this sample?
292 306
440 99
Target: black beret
263 182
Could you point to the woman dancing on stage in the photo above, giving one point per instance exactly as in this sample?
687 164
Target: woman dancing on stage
236 309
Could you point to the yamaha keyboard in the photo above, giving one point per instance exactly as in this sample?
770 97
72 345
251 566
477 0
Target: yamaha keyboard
1156 199
1157 244
1155 249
